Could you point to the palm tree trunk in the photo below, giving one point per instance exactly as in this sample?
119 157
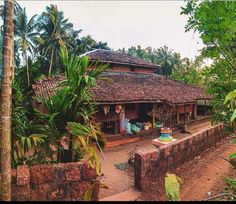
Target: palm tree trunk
50 67
27 68
6 96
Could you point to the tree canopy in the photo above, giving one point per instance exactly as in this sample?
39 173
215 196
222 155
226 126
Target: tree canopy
216 23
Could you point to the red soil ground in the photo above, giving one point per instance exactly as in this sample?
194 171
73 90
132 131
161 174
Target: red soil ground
203 177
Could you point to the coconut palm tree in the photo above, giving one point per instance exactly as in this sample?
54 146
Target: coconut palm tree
25 34
1 54
164 57
7 74
54 33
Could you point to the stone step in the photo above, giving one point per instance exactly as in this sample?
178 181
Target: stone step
131 194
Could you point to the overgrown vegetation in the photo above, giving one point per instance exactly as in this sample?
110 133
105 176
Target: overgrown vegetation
216 23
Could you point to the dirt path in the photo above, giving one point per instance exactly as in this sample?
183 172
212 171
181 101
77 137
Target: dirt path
210 172
121 180
202 176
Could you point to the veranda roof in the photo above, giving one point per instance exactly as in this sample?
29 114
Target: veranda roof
131 87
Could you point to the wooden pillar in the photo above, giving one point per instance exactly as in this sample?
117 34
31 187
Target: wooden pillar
163 118
185 125
116 127
122 120
195 111
205 112
170 116
177 114
153 115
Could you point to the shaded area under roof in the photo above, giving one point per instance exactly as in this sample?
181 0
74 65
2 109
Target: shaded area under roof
131 87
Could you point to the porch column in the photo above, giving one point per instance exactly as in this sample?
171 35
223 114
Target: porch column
170 116
122 120
116 127
195 111
185 125
205 112
153 114
163 118
177 114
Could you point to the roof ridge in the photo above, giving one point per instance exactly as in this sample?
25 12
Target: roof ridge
130 59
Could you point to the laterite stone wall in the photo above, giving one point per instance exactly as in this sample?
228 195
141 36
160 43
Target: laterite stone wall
52 182
152 164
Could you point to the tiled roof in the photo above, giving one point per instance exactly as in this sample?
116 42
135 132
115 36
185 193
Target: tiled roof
110 56
133 87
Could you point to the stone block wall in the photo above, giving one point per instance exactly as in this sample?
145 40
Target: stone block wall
155 163
52 182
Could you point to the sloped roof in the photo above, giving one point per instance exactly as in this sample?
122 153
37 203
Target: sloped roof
110 56
132 87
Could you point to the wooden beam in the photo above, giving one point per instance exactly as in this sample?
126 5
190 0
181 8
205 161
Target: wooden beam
122 120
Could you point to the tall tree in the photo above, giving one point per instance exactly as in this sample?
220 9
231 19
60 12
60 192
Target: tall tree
7 75
84 44
54 33
1 54
164 57
215 21
25 34
188 71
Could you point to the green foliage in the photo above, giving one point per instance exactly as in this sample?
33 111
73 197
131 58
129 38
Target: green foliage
231 184
22 126
89 192
189 72
1 41
216 23
162 56
230 100
70 110
84 44
172 187
37 42
232 155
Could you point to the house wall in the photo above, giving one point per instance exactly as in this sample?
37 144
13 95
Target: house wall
156 163
146 71
189 108
126 68
113 116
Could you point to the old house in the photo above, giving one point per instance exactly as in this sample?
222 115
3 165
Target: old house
136 93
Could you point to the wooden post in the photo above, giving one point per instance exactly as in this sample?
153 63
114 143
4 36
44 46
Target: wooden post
195 111
205 112
153 114
163 119
116 127
122 120
170 115
185 125
177 114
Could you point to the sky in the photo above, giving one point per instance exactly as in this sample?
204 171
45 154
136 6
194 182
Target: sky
128 23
